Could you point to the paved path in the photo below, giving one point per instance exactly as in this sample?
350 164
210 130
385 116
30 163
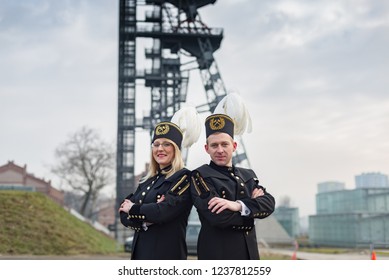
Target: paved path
363 255
119 256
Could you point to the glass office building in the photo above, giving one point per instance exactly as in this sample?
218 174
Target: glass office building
351 218
371 180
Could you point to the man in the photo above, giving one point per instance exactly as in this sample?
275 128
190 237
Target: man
227 198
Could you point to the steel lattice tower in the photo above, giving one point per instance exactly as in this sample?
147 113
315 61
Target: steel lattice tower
175 31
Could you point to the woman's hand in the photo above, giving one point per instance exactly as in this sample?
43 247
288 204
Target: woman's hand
126 206
162 198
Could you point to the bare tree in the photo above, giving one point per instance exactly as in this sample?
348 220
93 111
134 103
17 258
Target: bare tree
85 163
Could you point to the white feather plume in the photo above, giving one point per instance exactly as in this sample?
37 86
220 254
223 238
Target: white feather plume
189 122
233 106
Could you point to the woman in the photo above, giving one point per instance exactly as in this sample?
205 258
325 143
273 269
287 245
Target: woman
158 210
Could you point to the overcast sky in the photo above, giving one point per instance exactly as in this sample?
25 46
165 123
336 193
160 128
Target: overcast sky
315 76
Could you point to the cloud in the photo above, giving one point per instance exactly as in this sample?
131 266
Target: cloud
314 74
58 73
314 77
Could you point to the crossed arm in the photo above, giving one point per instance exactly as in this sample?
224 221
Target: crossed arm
127 204
218 204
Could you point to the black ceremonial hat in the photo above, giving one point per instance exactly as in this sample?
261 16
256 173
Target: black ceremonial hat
168 130
219 123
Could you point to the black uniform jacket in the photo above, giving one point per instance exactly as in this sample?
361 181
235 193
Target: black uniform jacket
228 235
160 228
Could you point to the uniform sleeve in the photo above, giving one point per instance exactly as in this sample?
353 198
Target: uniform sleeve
202 191
177 200
127 221
262 206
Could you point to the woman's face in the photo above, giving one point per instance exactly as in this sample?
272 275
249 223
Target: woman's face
163 152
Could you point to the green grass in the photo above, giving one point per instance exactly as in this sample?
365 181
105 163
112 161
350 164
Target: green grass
30 223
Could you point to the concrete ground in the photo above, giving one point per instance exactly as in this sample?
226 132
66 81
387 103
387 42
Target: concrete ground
360 255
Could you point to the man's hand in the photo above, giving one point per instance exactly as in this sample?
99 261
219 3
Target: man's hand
257 192
217 204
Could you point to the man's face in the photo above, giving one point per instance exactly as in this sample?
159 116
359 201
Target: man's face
220 146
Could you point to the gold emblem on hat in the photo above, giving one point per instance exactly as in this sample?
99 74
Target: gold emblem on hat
217 123
162 129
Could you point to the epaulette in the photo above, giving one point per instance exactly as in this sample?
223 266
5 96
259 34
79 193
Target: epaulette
200 185
181 186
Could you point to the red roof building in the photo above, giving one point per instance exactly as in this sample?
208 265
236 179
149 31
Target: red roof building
13 176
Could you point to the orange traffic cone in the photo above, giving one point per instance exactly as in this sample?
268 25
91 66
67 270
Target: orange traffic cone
296 247
373 255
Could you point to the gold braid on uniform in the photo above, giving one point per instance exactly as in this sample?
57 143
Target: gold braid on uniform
181 186
175 193
200 185
248 225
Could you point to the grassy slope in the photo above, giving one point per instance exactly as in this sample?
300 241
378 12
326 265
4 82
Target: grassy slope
30 223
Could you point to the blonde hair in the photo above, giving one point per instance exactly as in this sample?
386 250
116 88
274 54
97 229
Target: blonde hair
177 164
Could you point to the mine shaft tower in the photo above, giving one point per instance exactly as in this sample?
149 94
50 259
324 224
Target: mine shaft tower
179 43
